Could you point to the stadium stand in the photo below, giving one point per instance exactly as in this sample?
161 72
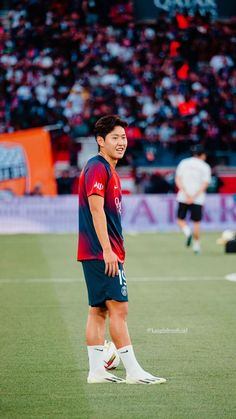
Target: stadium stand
69 62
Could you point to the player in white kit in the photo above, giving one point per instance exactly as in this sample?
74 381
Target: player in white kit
193 175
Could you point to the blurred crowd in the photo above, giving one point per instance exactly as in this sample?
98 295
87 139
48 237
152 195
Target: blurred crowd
173 80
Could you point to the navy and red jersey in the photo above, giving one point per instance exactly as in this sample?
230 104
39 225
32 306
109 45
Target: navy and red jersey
99 178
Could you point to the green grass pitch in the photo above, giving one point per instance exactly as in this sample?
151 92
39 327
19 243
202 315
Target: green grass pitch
43 308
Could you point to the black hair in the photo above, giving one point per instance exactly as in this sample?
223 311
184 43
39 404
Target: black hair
106 124
198 150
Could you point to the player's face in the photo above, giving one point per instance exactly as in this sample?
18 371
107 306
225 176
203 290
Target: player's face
115 143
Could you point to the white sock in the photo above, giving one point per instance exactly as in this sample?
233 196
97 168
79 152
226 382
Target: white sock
96 356
196 246
186 230
129 360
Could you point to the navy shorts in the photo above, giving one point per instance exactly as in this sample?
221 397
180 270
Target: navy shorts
194 209
102 287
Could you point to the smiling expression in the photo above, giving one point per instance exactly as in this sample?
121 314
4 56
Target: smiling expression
113 147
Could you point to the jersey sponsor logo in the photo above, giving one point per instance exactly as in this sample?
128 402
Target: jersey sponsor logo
98 185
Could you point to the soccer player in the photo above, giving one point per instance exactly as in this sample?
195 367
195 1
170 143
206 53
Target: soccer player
102 254
192 178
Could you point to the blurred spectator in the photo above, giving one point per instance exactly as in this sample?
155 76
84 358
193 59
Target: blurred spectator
215 184
221 61
37 190
157 185
166 132
65 183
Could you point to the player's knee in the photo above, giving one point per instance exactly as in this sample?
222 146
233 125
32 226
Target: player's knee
103 313
119 311
100 312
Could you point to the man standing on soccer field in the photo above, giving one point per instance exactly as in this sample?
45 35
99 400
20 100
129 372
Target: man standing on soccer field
192 179
102 254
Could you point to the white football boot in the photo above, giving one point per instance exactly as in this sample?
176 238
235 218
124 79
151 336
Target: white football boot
102 376
144 377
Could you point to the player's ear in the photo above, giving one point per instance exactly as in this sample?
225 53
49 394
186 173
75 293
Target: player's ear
100 141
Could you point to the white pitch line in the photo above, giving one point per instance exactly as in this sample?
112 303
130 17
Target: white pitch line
131 279
231 277
39 280
175 278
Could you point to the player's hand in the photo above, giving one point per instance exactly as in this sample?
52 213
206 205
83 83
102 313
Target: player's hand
189 199
111 263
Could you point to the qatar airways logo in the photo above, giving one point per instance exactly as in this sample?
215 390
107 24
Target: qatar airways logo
99 186
204 6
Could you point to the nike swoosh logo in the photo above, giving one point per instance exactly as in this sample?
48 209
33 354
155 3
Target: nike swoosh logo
100 350
115 187
124 352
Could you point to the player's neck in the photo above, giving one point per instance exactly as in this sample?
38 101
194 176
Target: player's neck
111 161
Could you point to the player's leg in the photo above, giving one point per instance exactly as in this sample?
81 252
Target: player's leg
118 312
181 215
95 337
196 216
96 324
135 374
196 237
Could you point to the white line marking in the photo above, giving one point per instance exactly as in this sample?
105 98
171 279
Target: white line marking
131 279
231 277
39 280
175 278
166 330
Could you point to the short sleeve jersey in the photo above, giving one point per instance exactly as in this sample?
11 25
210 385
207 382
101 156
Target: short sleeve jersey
99 178
193 172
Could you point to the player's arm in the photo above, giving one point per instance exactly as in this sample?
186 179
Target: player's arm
202 188
181 188
206 178
179 183
96 205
